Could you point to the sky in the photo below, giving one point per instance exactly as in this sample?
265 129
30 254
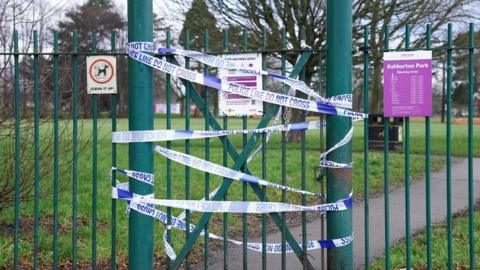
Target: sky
163 8
168 9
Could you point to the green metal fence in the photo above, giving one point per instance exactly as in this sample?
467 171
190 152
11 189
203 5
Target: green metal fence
200 97
447 50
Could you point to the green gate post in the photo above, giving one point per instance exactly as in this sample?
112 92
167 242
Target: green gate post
339 81
140 117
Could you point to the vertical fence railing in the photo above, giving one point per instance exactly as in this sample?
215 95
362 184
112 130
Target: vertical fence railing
207 150
407 171
264 158
284 147
449 150
17 151
168 125
386 176
244 184
75 148
321 176
303 168
36 95
55 149
427 172
225 163
94 165
113 238
188 91
471 199
365 147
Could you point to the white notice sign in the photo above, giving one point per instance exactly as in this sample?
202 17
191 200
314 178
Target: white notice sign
101 75
236 105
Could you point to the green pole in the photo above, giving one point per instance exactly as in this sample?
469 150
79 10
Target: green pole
366 189
140 117
16 239
449 150
471 197
339 81
427 171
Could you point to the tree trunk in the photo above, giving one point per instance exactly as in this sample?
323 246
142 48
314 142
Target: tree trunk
182 105
443 93
377 93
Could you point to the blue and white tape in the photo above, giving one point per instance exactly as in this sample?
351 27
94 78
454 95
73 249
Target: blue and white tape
144 177
271 248
172 135
334 165
145 205
147 178
207 166
137 203
136 52
245 207
343 101
122 190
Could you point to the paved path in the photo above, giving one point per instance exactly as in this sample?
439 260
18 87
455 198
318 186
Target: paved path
397 220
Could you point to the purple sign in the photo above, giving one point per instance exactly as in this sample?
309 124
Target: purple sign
407 80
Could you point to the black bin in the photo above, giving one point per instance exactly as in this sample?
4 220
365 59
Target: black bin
376 132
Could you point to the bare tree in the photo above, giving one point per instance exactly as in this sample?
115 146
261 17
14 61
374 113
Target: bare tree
24 16
294 15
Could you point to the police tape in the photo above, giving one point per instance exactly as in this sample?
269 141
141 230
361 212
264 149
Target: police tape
145 205
245 207
135 51
122 190
144 177
335 165
210 167
344 101
172 135
139 205
271 248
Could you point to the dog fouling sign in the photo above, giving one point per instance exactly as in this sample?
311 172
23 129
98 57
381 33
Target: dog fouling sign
101 75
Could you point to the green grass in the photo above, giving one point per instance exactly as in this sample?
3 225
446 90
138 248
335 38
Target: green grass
197 184
439 247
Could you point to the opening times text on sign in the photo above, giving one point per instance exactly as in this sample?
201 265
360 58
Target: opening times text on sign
407 83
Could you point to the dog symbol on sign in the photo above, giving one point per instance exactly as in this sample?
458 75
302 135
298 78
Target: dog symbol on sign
101 71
